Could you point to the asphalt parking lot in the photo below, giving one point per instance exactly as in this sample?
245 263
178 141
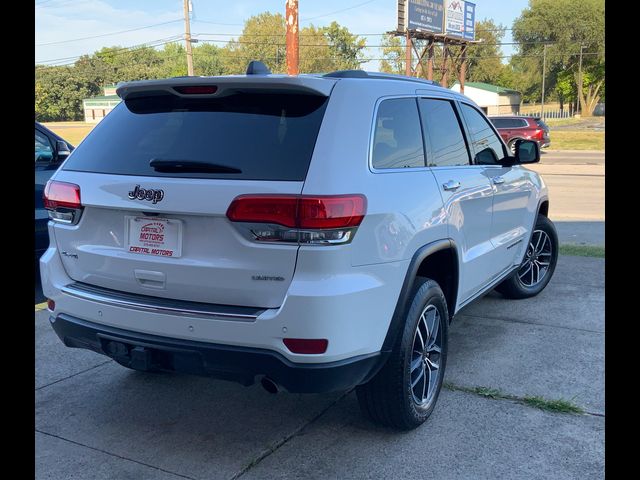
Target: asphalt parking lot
96 419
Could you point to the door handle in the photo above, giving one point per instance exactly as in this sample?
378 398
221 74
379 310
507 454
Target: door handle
498 180
451 185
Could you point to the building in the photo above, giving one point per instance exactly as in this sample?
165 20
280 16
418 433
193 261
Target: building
493 100
96 108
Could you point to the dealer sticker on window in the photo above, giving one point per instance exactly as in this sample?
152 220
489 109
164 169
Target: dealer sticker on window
154 236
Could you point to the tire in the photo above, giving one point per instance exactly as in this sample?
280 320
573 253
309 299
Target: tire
523 283
389 398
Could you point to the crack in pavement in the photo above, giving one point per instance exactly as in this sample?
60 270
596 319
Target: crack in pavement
284 440
504 319
511 398
73 375
114 455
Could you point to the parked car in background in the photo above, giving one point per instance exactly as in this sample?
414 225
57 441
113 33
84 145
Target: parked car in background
525 128
51 151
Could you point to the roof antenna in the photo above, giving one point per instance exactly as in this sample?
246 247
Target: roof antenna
257 68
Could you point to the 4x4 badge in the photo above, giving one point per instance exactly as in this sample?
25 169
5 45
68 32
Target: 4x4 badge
150 194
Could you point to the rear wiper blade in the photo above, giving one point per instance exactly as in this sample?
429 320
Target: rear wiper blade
176 166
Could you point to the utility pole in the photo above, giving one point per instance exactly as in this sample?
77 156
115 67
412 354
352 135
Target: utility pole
544 72
187 38
293 55
580 81
407 55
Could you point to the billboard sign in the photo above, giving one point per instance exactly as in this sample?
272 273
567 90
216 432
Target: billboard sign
454 18
469 21
460 19
421 15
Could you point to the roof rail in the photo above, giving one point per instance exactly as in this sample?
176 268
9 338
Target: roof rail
377 76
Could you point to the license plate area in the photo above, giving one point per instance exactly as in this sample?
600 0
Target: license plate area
159 237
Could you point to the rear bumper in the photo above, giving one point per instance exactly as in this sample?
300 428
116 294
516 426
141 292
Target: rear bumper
239 364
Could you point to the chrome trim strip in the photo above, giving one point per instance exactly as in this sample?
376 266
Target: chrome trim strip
162 309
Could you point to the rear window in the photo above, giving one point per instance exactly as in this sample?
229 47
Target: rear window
541 124
264 136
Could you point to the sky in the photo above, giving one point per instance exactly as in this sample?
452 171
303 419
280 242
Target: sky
66 29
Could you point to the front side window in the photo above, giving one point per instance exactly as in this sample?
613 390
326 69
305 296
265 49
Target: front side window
397 141
487 145
442 134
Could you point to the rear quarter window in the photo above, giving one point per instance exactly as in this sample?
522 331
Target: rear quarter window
265 136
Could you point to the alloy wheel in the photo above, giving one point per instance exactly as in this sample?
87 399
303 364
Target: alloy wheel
537 260
425 356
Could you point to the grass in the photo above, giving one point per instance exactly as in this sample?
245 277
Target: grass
576 140
73 132
581 250
557 406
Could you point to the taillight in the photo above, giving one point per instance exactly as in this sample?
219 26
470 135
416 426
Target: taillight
326 219
62 199
538 134
306 345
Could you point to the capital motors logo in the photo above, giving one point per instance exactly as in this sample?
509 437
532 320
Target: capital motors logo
152 233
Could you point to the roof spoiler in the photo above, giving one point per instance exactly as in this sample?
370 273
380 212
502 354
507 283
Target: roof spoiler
258 79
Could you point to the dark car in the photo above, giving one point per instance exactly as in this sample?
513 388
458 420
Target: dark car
525 128
51 151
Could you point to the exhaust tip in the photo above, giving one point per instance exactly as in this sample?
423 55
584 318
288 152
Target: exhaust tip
269 385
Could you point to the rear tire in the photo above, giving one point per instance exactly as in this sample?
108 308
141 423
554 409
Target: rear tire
538 264
404 392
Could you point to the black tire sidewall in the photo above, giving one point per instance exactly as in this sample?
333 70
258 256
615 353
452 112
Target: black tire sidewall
428 293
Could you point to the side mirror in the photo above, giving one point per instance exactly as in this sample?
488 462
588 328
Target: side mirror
62 149
527 151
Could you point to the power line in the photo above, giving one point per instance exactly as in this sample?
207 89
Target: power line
120 50
107 34
337 11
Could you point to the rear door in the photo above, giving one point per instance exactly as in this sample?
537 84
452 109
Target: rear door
157 176
466 191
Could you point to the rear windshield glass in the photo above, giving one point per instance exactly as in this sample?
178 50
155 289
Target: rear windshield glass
257 136
541 124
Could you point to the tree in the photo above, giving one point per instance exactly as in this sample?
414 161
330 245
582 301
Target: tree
345 49
59 94
565 25
393 55
484 59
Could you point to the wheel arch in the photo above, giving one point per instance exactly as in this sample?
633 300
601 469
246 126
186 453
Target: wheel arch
436 260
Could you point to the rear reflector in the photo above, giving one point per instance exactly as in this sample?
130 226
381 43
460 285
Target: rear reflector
196 89
51 305
61 194
306 345
300 211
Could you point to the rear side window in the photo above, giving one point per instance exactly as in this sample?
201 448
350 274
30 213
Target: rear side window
397 141
263 136
487 144
442 134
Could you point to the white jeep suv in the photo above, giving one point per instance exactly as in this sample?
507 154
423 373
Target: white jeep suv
314 232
